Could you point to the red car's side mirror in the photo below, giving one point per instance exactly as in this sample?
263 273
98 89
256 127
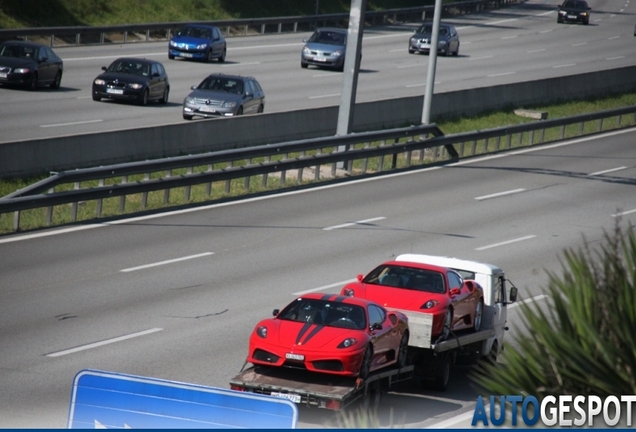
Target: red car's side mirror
360 277
455 291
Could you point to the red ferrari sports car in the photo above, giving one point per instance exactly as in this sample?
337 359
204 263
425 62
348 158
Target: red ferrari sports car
455 303
331 334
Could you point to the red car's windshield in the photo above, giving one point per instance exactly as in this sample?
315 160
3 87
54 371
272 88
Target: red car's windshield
329 313
407 277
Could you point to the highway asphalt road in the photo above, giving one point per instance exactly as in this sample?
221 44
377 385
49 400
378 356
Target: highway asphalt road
186 288
513 44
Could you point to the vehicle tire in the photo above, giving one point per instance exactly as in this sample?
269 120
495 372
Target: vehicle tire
440 382
403 351
187 117
223 54
365 366
586 22
96 98
411 51
372 397
33 83
210 57
144 98
164 98
304 65
240 111
479 314
448 320
261 108
170 56
57 81
456 53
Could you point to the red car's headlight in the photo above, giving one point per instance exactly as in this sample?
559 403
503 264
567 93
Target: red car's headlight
261 331
348 343
348 292
429 304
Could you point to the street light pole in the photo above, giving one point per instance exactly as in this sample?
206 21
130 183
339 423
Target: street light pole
432 63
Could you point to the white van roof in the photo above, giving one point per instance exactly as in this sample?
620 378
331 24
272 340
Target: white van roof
452 263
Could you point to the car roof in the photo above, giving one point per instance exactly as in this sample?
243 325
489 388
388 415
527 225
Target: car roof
332 29
205 26
23 43
237 77
136 59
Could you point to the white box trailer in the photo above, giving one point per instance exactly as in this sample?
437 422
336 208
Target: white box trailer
433 359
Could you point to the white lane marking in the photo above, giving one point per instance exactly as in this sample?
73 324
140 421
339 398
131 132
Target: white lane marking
613 37
360 222
239 64
564 65
411 65
113 56
615 58
323 75
455 422
505 242
526 301
71 124
501 74
607 171
579 44
324 287
480 58
535 51
304 191
166 262
509 37
325 96
545 13
484 197
546 31
624 213
415 85
502 21
104 342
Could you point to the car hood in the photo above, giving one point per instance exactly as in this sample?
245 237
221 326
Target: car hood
123 77
310 336
215 95
189 40
396 298
14 62
315 46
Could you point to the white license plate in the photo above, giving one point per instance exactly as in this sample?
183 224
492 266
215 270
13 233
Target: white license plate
188 55
292 397
292 356
207 109
3 75
114 91
320 59
572 16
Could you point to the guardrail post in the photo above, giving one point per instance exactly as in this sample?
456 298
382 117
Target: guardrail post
208 186
227 182
542 137
300 170
122 199
101 38
188 189
166 192
144 195
295 27
280 27
263 29
77 39
227 31
562 131
245 30
16 220
52 41
74 205
147 35
125 36
531 139
600 125
98 210
49 212
264 178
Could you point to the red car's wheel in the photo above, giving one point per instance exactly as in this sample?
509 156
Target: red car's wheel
403 351
448 321
365 367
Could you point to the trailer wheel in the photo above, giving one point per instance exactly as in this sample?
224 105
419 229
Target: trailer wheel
365 367
372 396
442 372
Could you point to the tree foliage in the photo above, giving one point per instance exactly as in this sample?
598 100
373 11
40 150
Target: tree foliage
584 341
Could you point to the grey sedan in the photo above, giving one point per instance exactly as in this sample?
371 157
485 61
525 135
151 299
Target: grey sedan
447 44
221 95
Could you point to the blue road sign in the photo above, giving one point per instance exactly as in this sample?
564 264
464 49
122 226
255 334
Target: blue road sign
104 400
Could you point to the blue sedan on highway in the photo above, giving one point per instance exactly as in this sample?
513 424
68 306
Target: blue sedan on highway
199 42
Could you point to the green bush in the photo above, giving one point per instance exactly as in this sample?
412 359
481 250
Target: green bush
584 341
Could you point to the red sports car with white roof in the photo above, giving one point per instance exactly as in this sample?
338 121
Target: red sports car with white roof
332 334
455 303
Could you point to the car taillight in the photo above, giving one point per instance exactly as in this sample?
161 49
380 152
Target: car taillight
237 388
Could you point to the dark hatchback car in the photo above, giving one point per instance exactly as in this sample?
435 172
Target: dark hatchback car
221 95
29 65
577 11
132 79
325 48
199 42
447 42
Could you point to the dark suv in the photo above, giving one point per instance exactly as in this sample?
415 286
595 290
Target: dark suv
576 11
221 95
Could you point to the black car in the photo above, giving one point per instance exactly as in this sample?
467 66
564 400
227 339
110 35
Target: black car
199 42
576 11
133 79
220 95
447 39
30 65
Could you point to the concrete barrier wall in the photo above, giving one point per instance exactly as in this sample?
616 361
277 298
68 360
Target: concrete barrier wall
25 158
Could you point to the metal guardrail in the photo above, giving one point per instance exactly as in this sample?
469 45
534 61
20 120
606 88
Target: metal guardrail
369 153
239 27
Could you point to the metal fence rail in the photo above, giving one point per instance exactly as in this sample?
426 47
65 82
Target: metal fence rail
58 199
239 27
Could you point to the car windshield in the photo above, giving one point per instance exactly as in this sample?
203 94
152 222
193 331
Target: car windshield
426 29
222 84
18 51
130 67
328 37
196 32
325 312
407 278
